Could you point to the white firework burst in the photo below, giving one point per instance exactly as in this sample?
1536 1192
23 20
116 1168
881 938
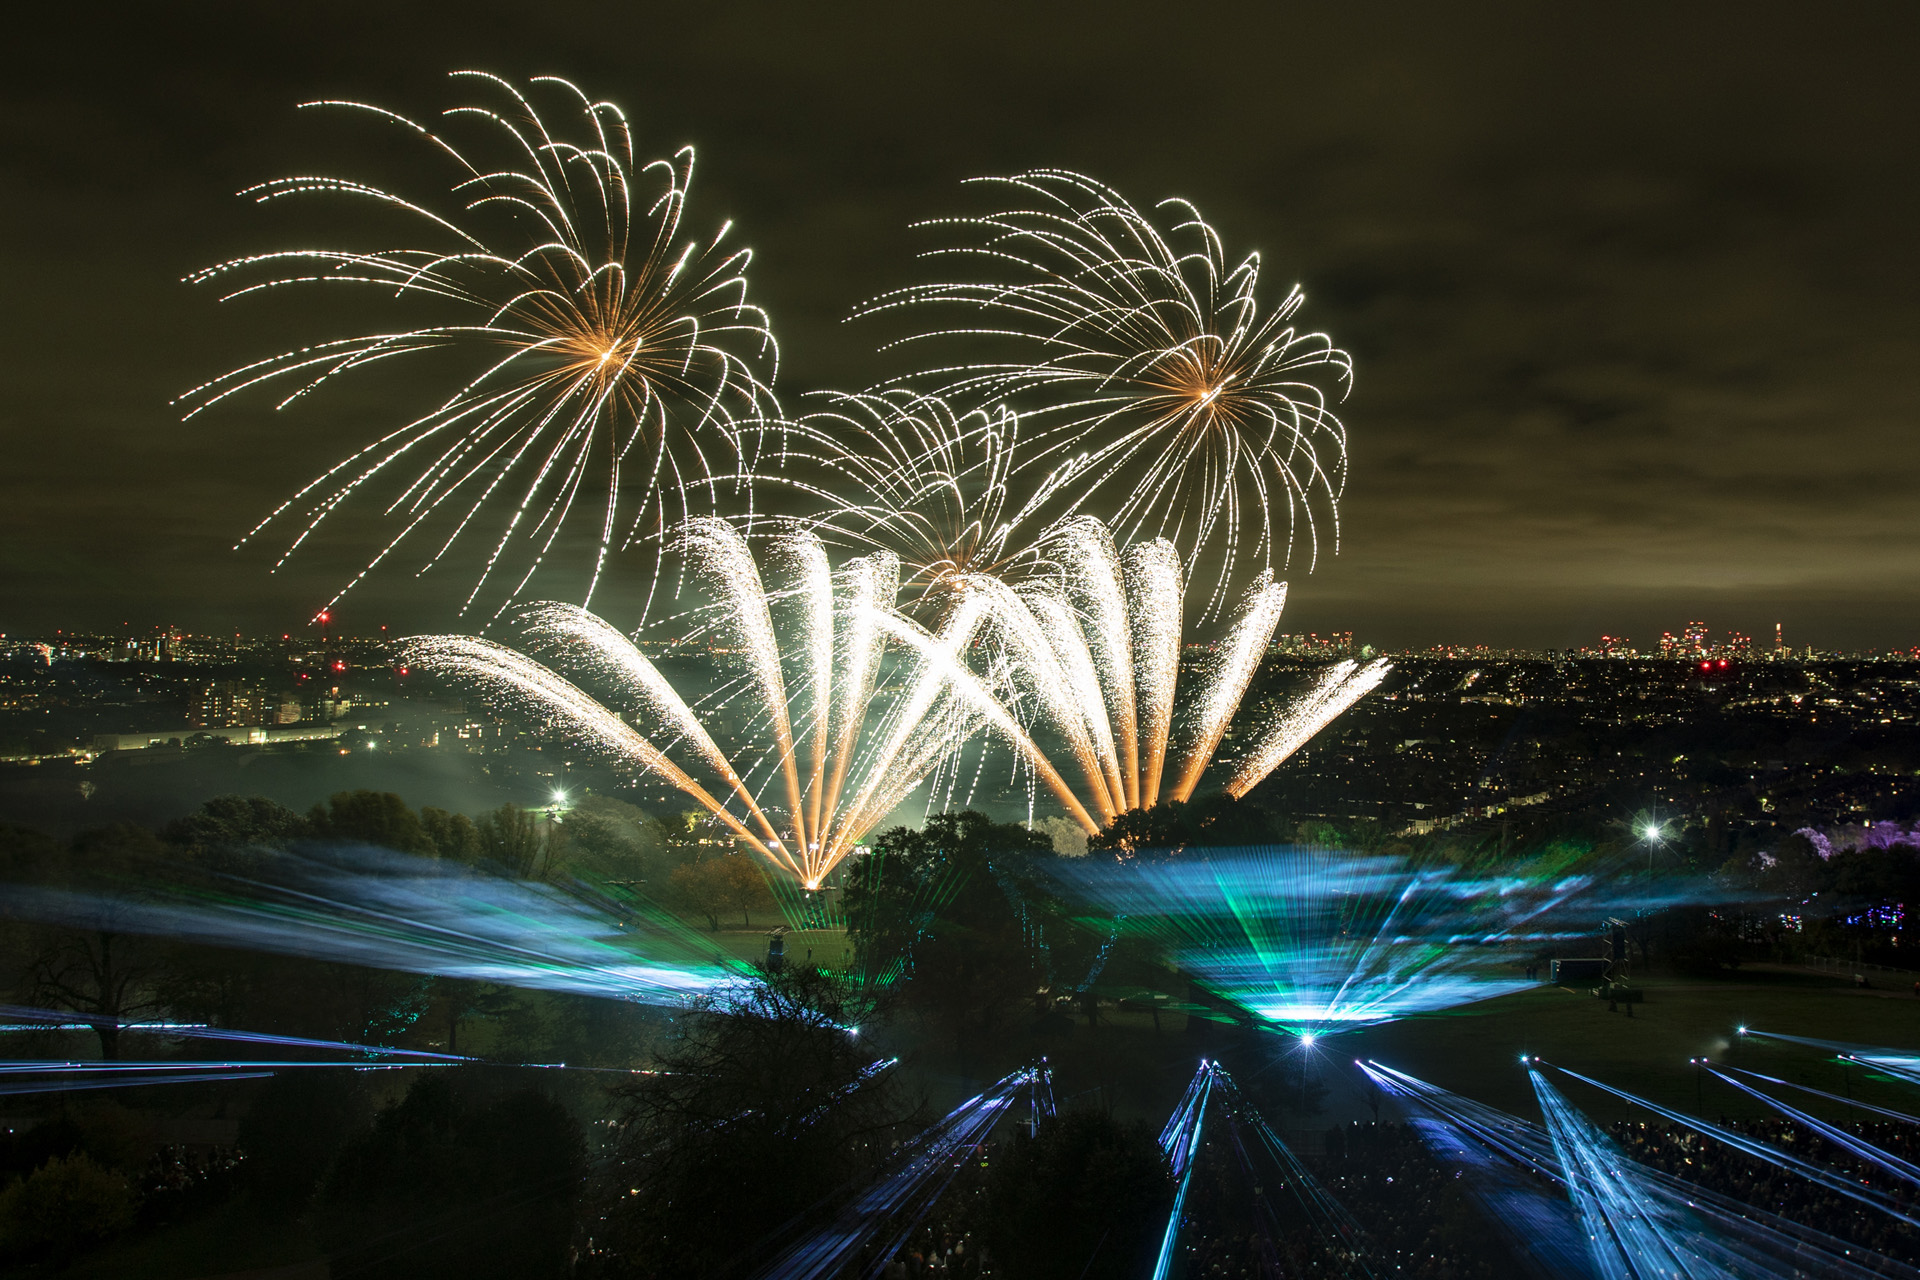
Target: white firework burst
1140 357
908 473
612 361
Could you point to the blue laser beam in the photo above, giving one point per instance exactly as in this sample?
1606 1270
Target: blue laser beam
1888 1112
910 1186
50 1019
1315 940
1828 1178
1506 1164
1180 1140
1853 1145
1902 1063
396 911
1719 1236
41 1076
1331 1220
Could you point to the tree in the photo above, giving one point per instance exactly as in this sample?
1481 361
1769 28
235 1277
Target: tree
722 885
452 835
765 1104
510 839
612 840
447 1185
236 823
290 1133
957 910
1211 822
63 1206
378 818
93 964
1086 1196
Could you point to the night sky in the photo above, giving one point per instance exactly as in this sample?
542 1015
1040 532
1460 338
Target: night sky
1633 290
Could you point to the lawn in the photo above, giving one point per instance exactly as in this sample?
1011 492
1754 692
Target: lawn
1475 1050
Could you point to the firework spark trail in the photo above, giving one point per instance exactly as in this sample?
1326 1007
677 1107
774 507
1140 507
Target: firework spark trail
942 657
743 607
514 679
910 474
1095 588
1233 672
593 645
1154 593
872 584
1066 640
1052 667
594 345
861 755
1134 332
1332 693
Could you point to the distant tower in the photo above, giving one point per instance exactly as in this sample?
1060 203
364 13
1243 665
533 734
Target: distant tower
1779 641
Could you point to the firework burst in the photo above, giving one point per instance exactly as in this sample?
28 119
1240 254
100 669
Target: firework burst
611 358
1145 362
908 473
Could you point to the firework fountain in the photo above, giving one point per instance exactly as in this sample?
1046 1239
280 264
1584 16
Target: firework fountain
1094 651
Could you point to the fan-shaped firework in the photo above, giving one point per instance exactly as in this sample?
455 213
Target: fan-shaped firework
812 728
1095 653
608 356
1144 359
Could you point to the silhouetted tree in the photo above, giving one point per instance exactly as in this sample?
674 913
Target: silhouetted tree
510 838
1086 1196
444 1186
762 1112
378 818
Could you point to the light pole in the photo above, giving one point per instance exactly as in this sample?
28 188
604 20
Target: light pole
1699 1064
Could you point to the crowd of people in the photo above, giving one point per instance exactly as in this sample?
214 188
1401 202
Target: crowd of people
1248 1217
1717 1166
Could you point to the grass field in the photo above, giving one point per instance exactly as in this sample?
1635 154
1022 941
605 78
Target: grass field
1476 1050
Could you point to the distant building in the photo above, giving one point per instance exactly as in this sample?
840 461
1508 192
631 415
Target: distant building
232 704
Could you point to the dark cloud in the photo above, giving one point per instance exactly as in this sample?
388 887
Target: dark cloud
1631 287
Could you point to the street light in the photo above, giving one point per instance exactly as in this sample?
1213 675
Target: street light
1698 1064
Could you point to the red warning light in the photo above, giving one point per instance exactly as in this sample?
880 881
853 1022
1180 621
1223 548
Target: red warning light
1706 666
1723 664
339 666
402 671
